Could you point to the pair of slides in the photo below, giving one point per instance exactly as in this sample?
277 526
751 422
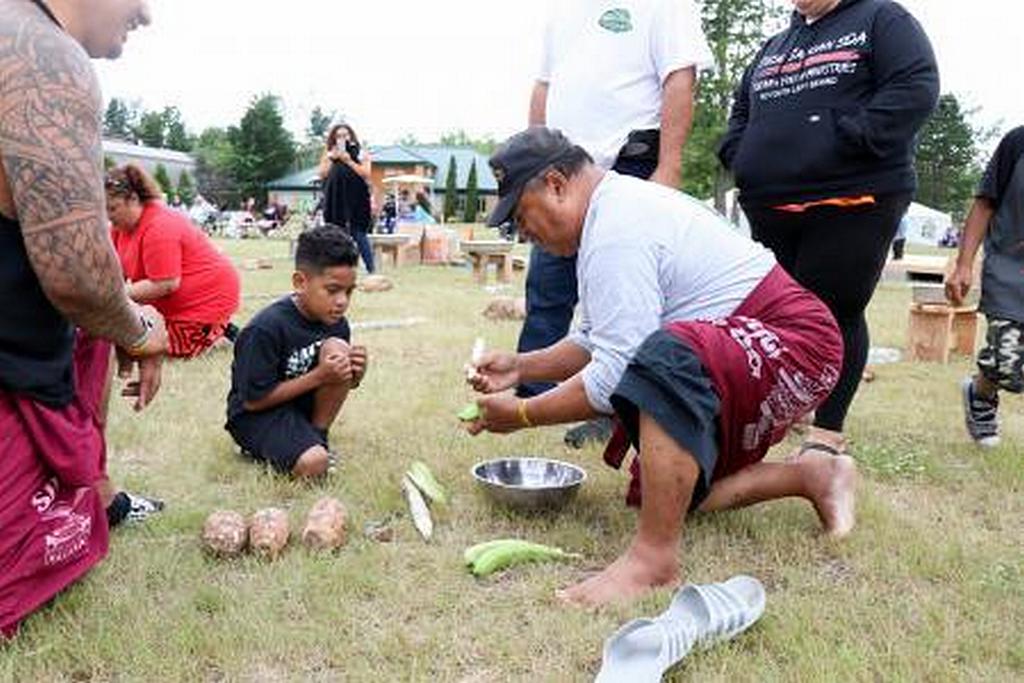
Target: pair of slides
699 615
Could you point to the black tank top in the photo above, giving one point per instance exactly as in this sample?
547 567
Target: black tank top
36 341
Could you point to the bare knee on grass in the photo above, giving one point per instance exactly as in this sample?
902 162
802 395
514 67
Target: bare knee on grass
312 463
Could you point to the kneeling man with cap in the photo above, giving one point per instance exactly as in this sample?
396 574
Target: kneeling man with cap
691 334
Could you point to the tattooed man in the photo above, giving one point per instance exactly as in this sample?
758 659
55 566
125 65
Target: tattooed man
62 299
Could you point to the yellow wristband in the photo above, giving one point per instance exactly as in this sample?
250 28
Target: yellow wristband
137 347
523 417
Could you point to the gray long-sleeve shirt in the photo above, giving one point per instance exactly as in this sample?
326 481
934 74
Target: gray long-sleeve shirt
650 256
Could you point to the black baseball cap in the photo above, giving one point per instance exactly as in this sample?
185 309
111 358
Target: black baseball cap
518 160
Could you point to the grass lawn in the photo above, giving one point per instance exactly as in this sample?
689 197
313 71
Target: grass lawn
929 587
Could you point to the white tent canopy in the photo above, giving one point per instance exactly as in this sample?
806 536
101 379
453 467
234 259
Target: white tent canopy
926 225
408 179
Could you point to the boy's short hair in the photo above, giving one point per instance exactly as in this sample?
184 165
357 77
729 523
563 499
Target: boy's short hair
325 247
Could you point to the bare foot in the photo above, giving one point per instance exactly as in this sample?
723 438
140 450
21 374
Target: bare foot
637 571
832 488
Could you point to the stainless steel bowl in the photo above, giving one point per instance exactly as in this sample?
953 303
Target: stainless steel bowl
529 483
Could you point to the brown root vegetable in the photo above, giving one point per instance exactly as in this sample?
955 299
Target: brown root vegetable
506 308
375 283
224 533
268 532
325 525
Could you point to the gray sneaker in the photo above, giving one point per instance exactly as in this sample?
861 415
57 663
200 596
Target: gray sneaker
980 415
142 507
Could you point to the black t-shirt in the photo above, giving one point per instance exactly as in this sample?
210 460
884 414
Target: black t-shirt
36 341
277 345
1002 282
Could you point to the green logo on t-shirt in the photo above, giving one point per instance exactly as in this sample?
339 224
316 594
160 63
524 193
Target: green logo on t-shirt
616 20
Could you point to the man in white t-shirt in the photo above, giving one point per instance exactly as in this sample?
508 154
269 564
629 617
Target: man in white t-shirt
690 334
618 79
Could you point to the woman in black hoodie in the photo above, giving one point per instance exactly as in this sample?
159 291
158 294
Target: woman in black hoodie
345 169
820 142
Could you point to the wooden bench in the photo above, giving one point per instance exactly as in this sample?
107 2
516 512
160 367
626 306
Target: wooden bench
389 244
485 252
935 329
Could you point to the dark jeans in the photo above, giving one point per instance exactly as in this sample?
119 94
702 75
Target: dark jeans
838 253
365 248
551 292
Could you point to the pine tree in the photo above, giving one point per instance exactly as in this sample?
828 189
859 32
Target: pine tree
163 180
262 149
186 188
946 160
471 196
450 190
117 120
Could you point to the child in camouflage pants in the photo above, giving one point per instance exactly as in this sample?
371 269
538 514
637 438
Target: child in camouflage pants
997 217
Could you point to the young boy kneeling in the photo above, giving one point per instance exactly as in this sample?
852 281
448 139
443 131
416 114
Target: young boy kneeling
293 364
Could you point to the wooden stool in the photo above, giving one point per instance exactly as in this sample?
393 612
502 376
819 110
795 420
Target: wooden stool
484 252
937 329
388 244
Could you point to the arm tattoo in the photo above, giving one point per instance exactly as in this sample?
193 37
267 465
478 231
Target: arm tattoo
51 150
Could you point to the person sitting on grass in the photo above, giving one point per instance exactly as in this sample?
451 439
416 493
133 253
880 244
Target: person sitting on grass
170 264
704 348
997 218
293 365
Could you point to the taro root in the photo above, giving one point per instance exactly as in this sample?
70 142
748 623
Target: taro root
375 283
224 533
325 525
268 532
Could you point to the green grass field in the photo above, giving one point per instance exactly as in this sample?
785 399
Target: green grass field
929 587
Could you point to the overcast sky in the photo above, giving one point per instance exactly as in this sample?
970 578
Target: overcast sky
393 67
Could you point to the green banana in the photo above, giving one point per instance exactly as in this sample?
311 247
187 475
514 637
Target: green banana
469 413
473 553
508 552
424 479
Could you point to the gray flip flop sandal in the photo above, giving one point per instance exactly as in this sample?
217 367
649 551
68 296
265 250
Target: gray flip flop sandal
698 616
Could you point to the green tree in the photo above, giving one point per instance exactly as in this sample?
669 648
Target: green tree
108 162
735 30
262 148
947 158
186 188
117 120
460 138
176 136
150 129
319 124
214 163
469 216
163 180
450 190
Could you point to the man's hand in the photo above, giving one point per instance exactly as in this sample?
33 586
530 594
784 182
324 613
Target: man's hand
148 360
498 414
359 360
669 177
958 283
335 368
497 371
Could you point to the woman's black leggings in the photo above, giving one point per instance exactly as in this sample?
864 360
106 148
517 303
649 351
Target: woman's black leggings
838 253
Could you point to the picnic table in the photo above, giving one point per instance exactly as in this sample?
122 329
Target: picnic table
389 244
485 252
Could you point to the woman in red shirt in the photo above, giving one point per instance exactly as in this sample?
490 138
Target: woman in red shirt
170 264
